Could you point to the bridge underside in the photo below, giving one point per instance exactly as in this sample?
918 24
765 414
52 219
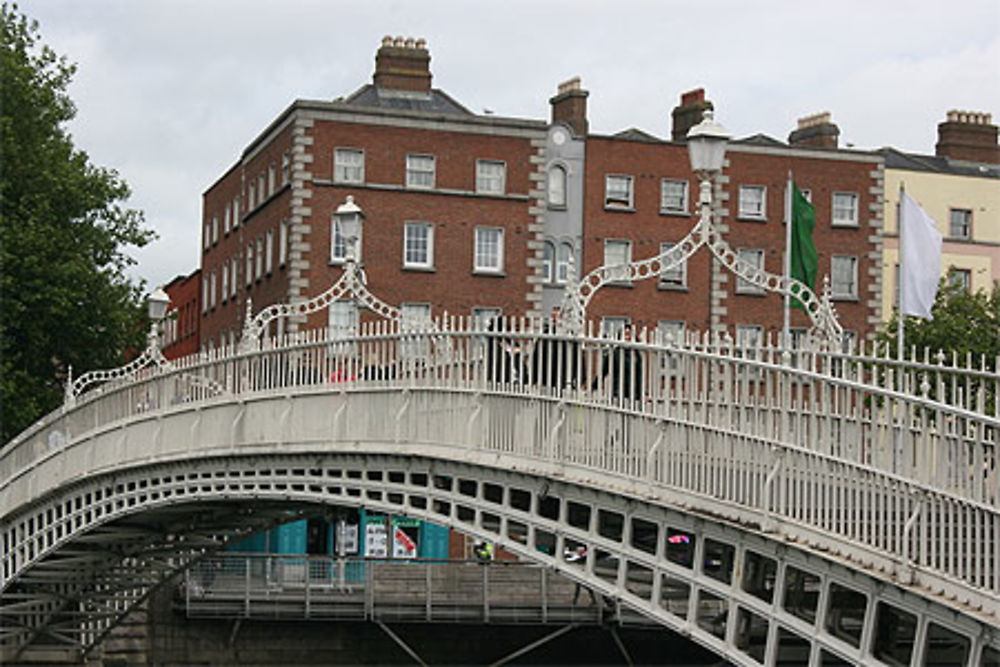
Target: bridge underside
739 592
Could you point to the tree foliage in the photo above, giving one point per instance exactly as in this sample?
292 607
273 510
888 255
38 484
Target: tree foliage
64 296
964 322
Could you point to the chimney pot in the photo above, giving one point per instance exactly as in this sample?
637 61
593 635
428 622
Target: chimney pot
969 136
570 106
403 64
421 43
410 43
387 40
815 131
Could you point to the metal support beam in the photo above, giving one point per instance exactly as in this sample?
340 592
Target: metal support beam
533 645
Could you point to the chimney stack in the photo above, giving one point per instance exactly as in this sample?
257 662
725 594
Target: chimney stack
570 106
403 64
689 113
970 136
815 131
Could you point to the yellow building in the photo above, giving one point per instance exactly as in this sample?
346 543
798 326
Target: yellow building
960 189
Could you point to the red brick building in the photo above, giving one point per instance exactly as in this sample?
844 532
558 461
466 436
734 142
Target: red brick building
461 215
449 199
183 321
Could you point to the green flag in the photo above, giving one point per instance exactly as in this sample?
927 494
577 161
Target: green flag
803 257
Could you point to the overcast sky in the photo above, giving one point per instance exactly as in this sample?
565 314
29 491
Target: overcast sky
169 92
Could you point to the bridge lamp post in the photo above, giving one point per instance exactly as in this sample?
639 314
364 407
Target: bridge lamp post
156 304
348 218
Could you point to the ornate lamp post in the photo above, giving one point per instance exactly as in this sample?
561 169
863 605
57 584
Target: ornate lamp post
156 305
707 149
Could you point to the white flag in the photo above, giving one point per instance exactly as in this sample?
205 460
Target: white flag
920 262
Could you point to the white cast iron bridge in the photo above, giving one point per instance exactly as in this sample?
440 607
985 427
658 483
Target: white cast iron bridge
775 506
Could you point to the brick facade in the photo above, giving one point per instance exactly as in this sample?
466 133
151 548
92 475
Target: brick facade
182 330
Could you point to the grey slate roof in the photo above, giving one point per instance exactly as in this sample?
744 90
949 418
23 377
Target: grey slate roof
436 101
761 140
635 134
895 159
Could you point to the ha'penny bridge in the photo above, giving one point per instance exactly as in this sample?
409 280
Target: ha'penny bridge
773 505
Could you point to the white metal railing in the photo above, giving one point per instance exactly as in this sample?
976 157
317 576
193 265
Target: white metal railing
851 445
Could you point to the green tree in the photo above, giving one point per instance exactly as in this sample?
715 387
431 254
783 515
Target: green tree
64 296
964 322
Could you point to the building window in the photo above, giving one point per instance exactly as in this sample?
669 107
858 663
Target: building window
845 209
414 317
215 229
283 243
670 332
269 252
236 212
749 335
213 291
235 270
844 277
204 296
754 258
617 191
286 168
418 245
420 171
961 278
548 259
251 191
342 319
557 187
960 223
673 196
617 257
271 175
489 250
227 219
753 202
564 253
261 196
491 177
225 283
249 266
208 235
348 165
676 277
483 317
614 327
260 257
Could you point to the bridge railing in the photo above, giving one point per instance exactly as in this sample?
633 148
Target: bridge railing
865 409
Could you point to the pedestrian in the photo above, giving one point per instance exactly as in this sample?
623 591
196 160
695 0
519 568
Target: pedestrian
483 551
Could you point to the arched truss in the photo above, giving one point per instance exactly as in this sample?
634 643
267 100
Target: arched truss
704 233
351 283
104 544
151 356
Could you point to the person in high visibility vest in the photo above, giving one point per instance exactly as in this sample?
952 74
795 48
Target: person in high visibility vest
483 551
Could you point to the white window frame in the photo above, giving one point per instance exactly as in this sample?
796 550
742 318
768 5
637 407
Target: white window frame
234 281
411 238
261 193
749 335
215 229
491 183
482 254
844 209
665 206
342 319
617 201
671 332
421 168
964 227
564 254
286 168
204 296
259 259
236 211
745 255
557 182
348 165
271 179
283 243
836 291
675 278
208 235
227 219
414 317
225 283
269 252
548 262
613 326
249 260
251 195
619 277
750 208
213 290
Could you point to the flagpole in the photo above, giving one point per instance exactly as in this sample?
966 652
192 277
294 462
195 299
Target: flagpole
899 276
788 261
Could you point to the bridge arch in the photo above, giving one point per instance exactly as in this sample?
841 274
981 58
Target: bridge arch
742 593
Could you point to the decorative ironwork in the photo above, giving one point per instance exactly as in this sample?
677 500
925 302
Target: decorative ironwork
151 356
704 233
